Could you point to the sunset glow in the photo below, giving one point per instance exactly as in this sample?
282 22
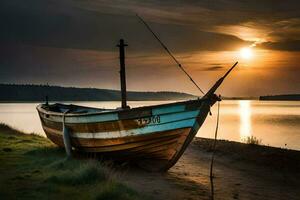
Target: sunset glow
245 119
246 53
265 45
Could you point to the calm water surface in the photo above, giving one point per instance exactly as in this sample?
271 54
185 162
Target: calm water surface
275 123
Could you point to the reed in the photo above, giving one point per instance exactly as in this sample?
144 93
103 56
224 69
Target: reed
252 140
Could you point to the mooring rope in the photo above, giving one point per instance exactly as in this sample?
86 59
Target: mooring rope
213 154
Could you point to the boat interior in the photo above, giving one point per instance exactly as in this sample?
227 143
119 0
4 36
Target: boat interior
71 108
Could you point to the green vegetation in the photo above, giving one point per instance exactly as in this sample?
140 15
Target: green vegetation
15 92
252 140
32 168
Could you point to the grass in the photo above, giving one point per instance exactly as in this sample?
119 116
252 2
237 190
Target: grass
252 140
114 192
31 167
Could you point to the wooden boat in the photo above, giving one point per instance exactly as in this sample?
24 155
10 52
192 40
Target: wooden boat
154 137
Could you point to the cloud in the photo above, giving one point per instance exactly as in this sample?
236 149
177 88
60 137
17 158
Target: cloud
43 41
73 27
265 17
214 67
185 26
288 45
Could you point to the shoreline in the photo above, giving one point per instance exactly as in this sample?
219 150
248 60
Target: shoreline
88 101
32 164
240 172
253 153
155 100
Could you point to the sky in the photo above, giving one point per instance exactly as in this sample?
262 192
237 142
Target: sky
73 43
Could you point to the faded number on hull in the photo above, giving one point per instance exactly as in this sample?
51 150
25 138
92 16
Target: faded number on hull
149 120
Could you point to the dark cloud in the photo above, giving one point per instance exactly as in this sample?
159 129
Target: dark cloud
213 67
71 27
268 16
290 45
184 26
73 42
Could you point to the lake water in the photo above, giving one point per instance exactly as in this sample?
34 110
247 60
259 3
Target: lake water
275 123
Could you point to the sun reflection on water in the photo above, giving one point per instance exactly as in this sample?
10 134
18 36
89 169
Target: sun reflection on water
245 119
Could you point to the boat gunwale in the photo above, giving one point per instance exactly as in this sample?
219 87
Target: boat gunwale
112 111
133 118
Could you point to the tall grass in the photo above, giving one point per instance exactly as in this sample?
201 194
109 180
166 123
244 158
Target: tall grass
252 140
86 173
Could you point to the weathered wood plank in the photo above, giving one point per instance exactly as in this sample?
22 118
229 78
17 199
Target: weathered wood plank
153 136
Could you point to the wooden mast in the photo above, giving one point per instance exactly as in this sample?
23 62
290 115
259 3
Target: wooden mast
121 46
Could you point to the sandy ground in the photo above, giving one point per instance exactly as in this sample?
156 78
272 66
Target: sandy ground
235 177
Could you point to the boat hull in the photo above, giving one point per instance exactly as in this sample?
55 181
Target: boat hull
154 137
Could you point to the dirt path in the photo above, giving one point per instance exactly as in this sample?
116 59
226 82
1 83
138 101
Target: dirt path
234 179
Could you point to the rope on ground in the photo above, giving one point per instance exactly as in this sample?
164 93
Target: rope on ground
213 153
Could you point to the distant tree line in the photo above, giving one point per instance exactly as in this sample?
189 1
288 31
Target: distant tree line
28 92
283 97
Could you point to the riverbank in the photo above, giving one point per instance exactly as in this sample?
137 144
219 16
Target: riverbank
31 167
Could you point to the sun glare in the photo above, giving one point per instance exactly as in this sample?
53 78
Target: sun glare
245 119
246 53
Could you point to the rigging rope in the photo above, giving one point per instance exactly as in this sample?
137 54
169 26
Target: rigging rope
168 51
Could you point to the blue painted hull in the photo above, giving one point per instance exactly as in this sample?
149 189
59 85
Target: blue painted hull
157 134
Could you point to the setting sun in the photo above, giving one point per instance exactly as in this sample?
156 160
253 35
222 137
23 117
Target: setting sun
246 53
